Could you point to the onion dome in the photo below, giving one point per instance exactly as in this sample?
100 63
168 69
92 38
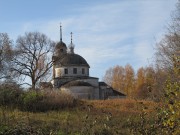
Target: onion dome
60 48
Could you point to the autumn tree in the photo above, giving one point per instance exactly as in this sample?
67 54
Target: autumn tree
146 83
6 55
143 85
33 51
140 77
168 115
108 77
168 51
129 80
118 78
169 46
121 78
140 82
115 77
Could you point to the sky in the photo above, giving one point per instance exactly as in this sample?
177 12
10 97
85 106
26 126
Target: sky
105 32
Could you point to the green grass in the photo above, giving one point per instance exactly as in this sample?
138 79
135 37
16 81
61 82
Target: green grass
88 117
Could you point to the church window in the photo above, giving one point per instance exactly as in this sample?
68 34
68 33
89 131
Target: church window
74 70
66 71
87 71
83 71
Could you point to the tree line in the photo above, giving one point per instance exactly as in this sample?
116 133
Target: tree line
143 84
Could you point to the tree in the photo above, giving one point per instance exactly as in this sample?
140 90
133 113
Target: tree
129 80
146 83
140 82
168 51
33 51
140 77
118 78
108 76
6 55
170 44
169 114
115 77
121 78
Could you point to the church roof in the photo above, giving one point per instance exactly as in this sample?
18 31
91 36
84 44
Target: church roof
115 91
71 59
76 83
60 45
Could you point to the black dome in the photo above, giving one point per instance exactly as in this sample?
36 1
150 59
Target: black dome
60 44
73 60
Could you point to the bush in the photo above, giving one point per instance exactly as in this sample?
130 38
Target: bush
34 101
45 100
9 95
59 99
29 101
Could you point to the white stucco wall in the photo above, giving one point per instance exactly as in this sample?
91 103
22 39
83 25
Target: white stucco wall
82 92
59 72
95 83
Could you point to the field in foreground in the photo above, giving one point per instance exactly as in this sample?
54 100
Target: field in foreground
101 117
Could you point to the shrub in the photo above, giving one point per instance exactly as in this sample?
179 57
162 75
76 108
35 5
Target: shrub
59 99
9 95
34 101
45 100
30 101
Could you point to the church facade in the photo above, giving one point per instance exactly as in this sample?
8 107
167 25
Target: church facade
71 74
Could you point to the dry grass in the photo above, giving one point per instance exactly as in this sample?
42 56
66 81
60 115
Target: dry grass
59 98
96 116
124 105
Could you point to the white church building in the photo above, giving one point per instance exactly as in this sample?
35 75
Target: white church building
71 74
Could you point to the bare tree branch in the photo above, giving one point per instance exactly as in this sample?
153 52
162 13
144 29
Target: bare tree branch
32 60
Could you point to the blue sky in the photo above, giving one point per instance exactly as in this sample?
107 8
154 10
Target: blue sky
106 32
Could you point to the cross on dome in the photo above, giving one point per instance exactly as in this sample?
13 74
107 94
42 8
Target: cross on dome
60 33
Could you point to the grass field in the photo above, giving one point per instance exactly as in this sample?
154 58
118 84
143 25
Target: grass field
88 117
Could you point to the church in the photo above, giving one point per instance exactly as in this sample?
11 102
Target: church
71 74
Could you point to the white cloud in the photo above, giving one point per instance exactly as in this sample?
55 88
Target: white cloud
100 55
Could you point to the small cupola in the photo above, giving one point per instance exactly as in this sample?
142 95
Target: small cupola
71 46
60 48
